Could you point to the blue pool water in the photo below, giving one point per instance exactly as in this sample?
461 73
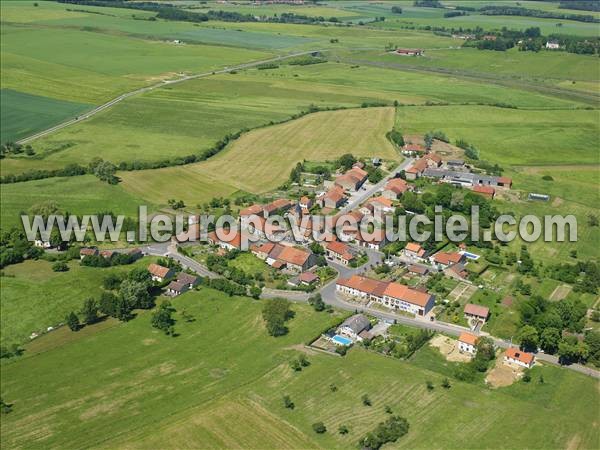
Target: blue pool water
341 340
471 255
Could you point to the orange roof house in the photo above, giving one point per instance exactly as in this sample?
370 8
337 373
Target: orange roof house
414 249
516 356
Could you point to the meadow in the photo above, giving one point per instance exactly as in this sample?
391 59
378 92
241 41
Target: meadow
34 297
512 136
222 379
262 159
76 195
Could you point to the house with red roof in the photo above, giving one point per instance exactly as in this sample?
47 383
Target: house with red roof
414 250
352 180
374 240
478 312
339 252
293 258
390 294
160 273
467 343
232 239
513 355
443 260
305 204
401 297
382 204
333 198
395 188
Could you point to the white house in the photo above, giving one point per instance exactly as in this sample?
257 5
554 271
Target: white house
353 326
515 356
467 343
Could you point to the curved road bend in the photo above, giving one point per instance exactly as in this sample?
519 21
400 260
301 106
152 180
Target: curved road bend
126 95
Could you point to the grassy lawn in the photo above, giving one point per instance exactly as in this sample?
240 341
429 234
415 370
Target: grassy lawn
190 388
76 195
34 297
24 114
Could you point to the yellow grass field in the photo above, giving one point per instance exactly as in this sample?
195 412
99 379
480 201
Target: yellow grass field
262 159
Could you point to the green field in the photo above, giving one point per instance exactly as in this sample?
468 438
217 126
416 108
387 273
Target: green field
262 159
76 195
221 381
187 118
34 297
24 114
513 137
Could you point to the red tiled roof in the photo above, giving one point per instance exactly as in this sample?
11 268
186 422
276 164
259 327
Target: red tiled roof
402 292
421 270
292 255
386 202
88 251
266 248
415 248
251 210
375 237
397 185
447 258
158 271
414 148
487 190
364 284
515 353
308 277
505 180
341 249
235 240
476 310
468 338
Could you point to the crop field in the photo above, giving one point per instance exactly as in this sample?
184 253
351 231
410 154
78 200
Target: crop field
488 22
182 183
23 114
565 70
187 118
262 159
231 394
34 297
77 195
94 67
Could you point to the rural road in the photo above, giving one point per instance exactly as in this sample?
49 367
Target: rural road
126 95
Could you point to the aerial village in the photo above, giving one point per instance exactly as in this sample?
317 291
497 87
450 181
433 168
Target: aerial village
349 269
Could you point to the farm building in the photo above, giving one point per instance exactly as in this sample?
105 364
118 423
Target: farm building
409 52
176 288
466 179
189 280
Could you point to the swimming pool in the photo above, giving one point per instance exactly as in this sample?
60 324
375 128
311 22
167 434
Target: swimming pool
341 340
470 255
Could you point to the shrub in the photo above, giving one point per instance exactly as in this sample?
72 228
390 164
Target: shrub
319 427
